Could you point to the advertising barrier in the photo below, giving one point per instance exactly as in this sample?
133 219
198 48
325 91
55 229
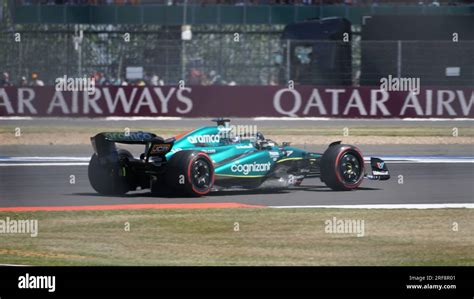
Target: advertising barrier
238 101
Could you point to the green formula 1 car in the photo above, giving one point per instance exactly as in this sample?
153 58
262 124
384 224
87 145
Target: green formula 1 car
215 158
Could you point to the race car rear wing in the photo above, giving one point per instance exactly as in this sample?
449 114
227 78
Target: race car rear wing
104 143
126 137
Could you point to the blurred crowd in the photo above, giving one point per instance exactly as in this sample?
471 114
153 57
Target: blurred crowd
34 80
198 77
180 2
244 2
195 77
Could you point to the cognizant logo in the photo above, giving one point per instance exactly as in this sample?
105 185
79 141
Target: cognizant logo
204 139
247 168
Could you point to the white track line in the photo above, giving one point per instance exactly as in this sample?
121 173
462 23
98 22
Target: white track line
45 164
112 118
16 118
45 159
437 119
292 118
358 119
416 160
133 118
386 206
66 161
420 159
286 118
13 265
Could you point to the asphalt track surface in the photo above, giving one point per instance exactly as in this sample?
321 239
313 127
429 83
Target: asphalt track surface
422 184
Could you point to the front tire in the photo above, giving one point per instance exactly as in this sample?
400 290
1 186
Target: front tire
342 167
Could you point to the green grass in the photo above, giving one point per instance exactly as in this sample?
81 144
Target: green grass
383 130
266 237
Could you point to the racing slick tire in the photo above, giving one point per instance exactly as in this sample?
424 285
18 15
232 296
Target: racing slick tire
190 173
342 167
107 179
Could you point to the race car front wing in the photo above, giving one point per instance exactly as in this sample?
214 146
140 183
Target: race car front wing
379 170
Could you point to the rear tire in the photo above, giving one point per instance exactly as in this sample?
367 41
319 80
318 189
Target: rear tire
190 173
106 179
342 167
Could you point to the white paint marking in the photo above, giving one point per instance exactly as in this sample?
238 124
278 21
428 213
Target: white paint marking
358 119
13 265
386 206
416 160
45 164
132 118
81 161
437 119
291 118
16 118
46 159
